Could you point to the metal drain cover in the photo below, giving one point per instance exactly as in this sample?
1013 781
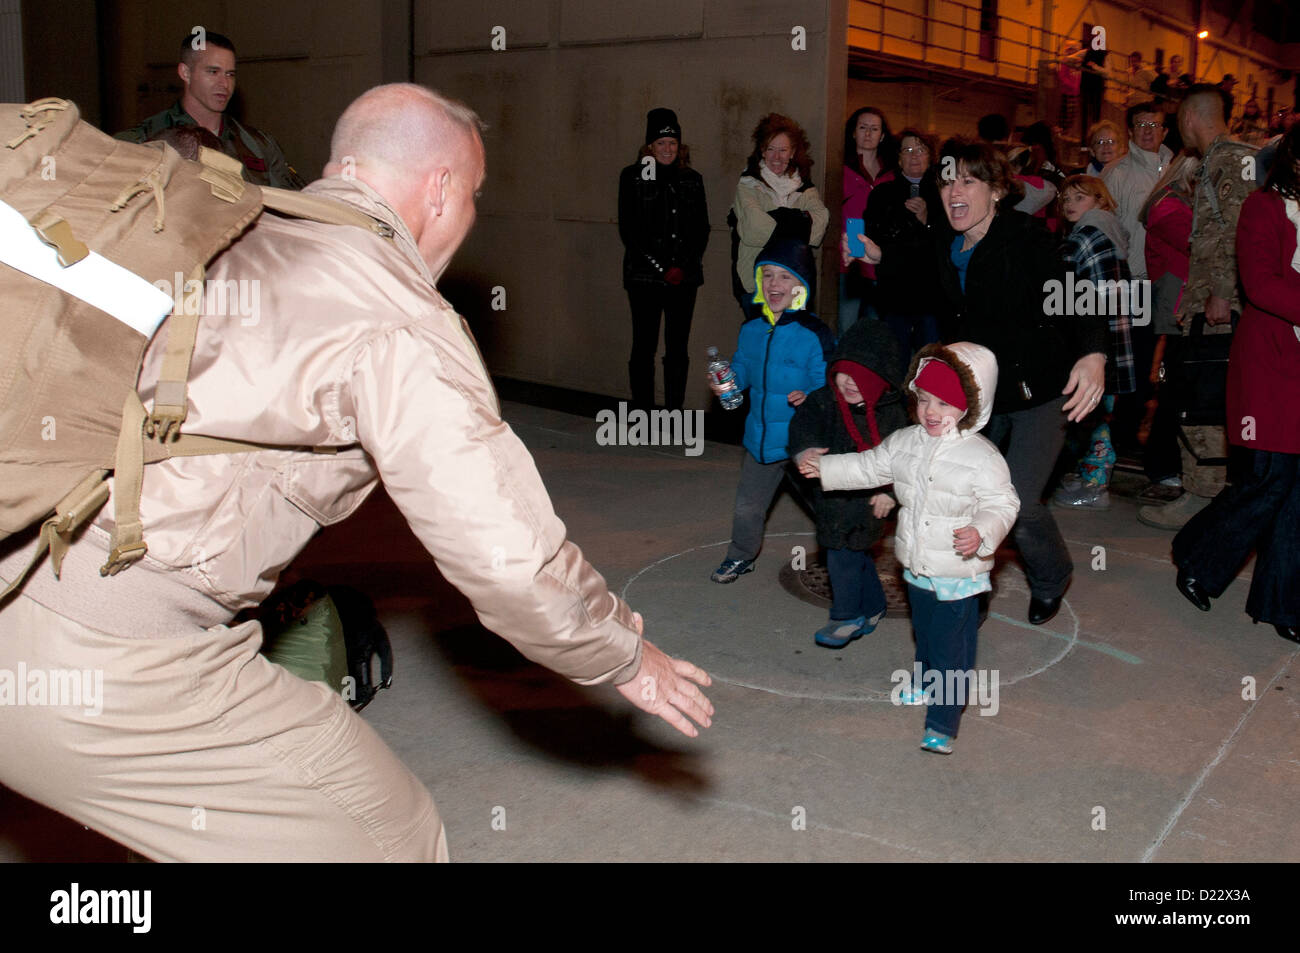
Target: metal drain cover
813 584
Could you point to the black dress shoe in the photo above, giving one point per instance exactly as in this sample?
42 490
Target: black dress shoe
1289 632
1194 591
1042 610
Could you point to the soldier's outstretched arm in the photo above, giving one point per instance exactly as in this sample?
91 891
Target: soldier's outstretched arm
426 412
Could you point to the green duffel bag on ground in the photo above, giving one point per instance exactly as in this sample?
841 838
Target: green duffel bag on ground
329 634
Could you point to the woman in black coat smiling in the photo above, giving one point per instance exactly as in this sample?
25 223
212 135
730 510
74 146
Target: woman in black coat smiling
994 267
664 225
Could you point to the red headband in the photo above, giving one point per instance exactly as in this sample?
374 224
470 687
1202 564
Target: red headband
942 381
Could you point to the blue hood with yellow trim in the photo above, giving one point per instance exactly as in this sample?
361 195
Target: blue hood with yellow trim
795 257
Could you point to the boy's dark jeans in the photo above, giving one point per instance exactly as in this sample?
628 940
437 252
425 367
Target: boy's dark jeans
945 641
855 584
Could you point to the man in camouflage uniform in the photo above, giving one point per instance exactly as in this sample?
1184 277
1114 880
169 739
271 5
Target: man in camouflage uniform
1226 177
207 70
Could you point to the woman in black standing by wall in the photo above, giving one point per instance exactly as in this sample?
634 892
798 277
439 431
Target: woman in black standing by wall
664 224
994 264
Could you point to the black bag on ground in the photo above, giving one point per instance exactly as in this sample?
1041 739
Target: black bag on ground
1200 374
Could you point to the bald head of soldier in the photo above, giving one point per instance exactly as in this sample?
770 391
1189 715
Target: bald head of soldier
423 153
1202 116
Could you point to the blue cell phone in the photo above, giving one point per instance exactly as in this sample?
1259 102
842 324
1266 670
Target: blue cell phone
855 227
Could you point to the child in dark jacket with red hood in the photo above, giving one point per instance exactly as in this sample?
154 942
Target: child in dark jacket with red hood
860 406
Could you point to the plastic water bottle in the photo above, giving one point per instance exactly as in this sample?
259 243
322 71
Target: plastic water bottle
720 373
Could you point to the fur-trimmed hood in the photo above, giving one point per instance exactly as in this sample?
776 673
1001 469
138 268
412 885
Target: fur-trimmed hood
977 370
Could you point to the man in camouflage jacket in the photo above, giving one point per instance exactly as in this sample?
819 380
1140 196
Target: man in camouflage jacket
1226 177
207 72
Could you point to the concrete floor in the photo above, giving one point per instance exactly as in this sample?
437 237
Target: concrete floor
1121 734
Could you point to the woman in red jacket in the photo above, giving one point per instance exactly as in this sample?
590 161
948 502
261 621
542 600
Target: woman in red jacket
1260 509
1167 218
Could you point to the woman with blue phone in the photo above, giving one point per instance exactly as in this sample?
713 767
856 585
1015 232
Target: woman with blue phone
870 157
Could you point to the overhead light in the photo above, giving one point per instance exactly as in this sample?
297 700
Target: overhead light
1203 34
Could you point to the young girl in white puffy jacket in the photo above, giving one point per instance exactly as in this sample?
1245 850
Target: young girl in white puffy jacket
956 505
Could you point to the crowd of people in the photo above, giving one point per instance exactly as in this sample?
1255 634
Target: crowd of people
1186 353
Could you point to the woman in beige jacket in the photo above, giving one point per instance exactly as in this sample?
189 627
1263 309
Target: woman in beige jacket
774 198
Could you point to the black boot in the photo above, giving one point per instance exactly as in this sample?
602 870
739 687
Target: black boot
1042 610
642 379
675 382
1193 590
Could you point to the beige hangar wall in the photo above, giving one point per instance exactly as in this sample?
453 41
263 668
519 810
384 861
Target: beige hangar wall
565 100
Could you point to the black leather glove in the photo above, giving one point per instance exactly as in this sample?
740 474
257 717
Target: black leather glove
792 223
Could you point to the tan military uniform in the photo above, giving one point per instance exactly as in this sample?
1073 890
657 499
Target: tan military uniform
1226 177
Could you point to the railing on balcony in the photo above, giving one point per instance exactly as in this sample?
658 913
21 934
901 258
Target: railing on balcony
947 33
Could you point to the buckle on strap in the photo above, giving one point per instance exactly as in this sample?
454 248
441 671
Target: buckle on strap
123 556
57 232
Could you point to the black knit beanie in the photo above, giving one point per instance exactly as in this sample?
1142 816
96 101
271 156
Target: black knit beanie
660 123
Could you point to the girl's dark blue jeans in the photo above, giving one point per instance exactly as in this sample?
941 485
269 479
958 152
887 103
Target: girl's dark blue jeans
945 642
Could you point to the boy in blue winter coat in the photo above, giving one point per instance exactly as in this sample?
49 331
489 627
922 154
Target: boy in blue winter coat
780 356
956 505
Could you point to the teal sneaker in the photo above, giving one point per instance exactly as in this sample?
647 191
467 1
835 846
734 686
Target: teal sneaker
937 742
912 695
838 633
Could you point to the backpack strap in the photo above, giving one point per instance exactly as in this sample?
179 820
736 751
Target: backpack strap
317 209
170 402
56 532
133 453
171 397
224 174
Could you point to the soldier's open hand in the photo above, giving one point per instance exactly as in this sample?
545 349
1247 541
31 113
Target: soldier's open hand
669 687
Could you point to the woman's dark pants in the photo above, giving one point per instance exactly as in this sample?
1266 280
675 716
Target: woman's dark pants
677 304
1031 440
1260 510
